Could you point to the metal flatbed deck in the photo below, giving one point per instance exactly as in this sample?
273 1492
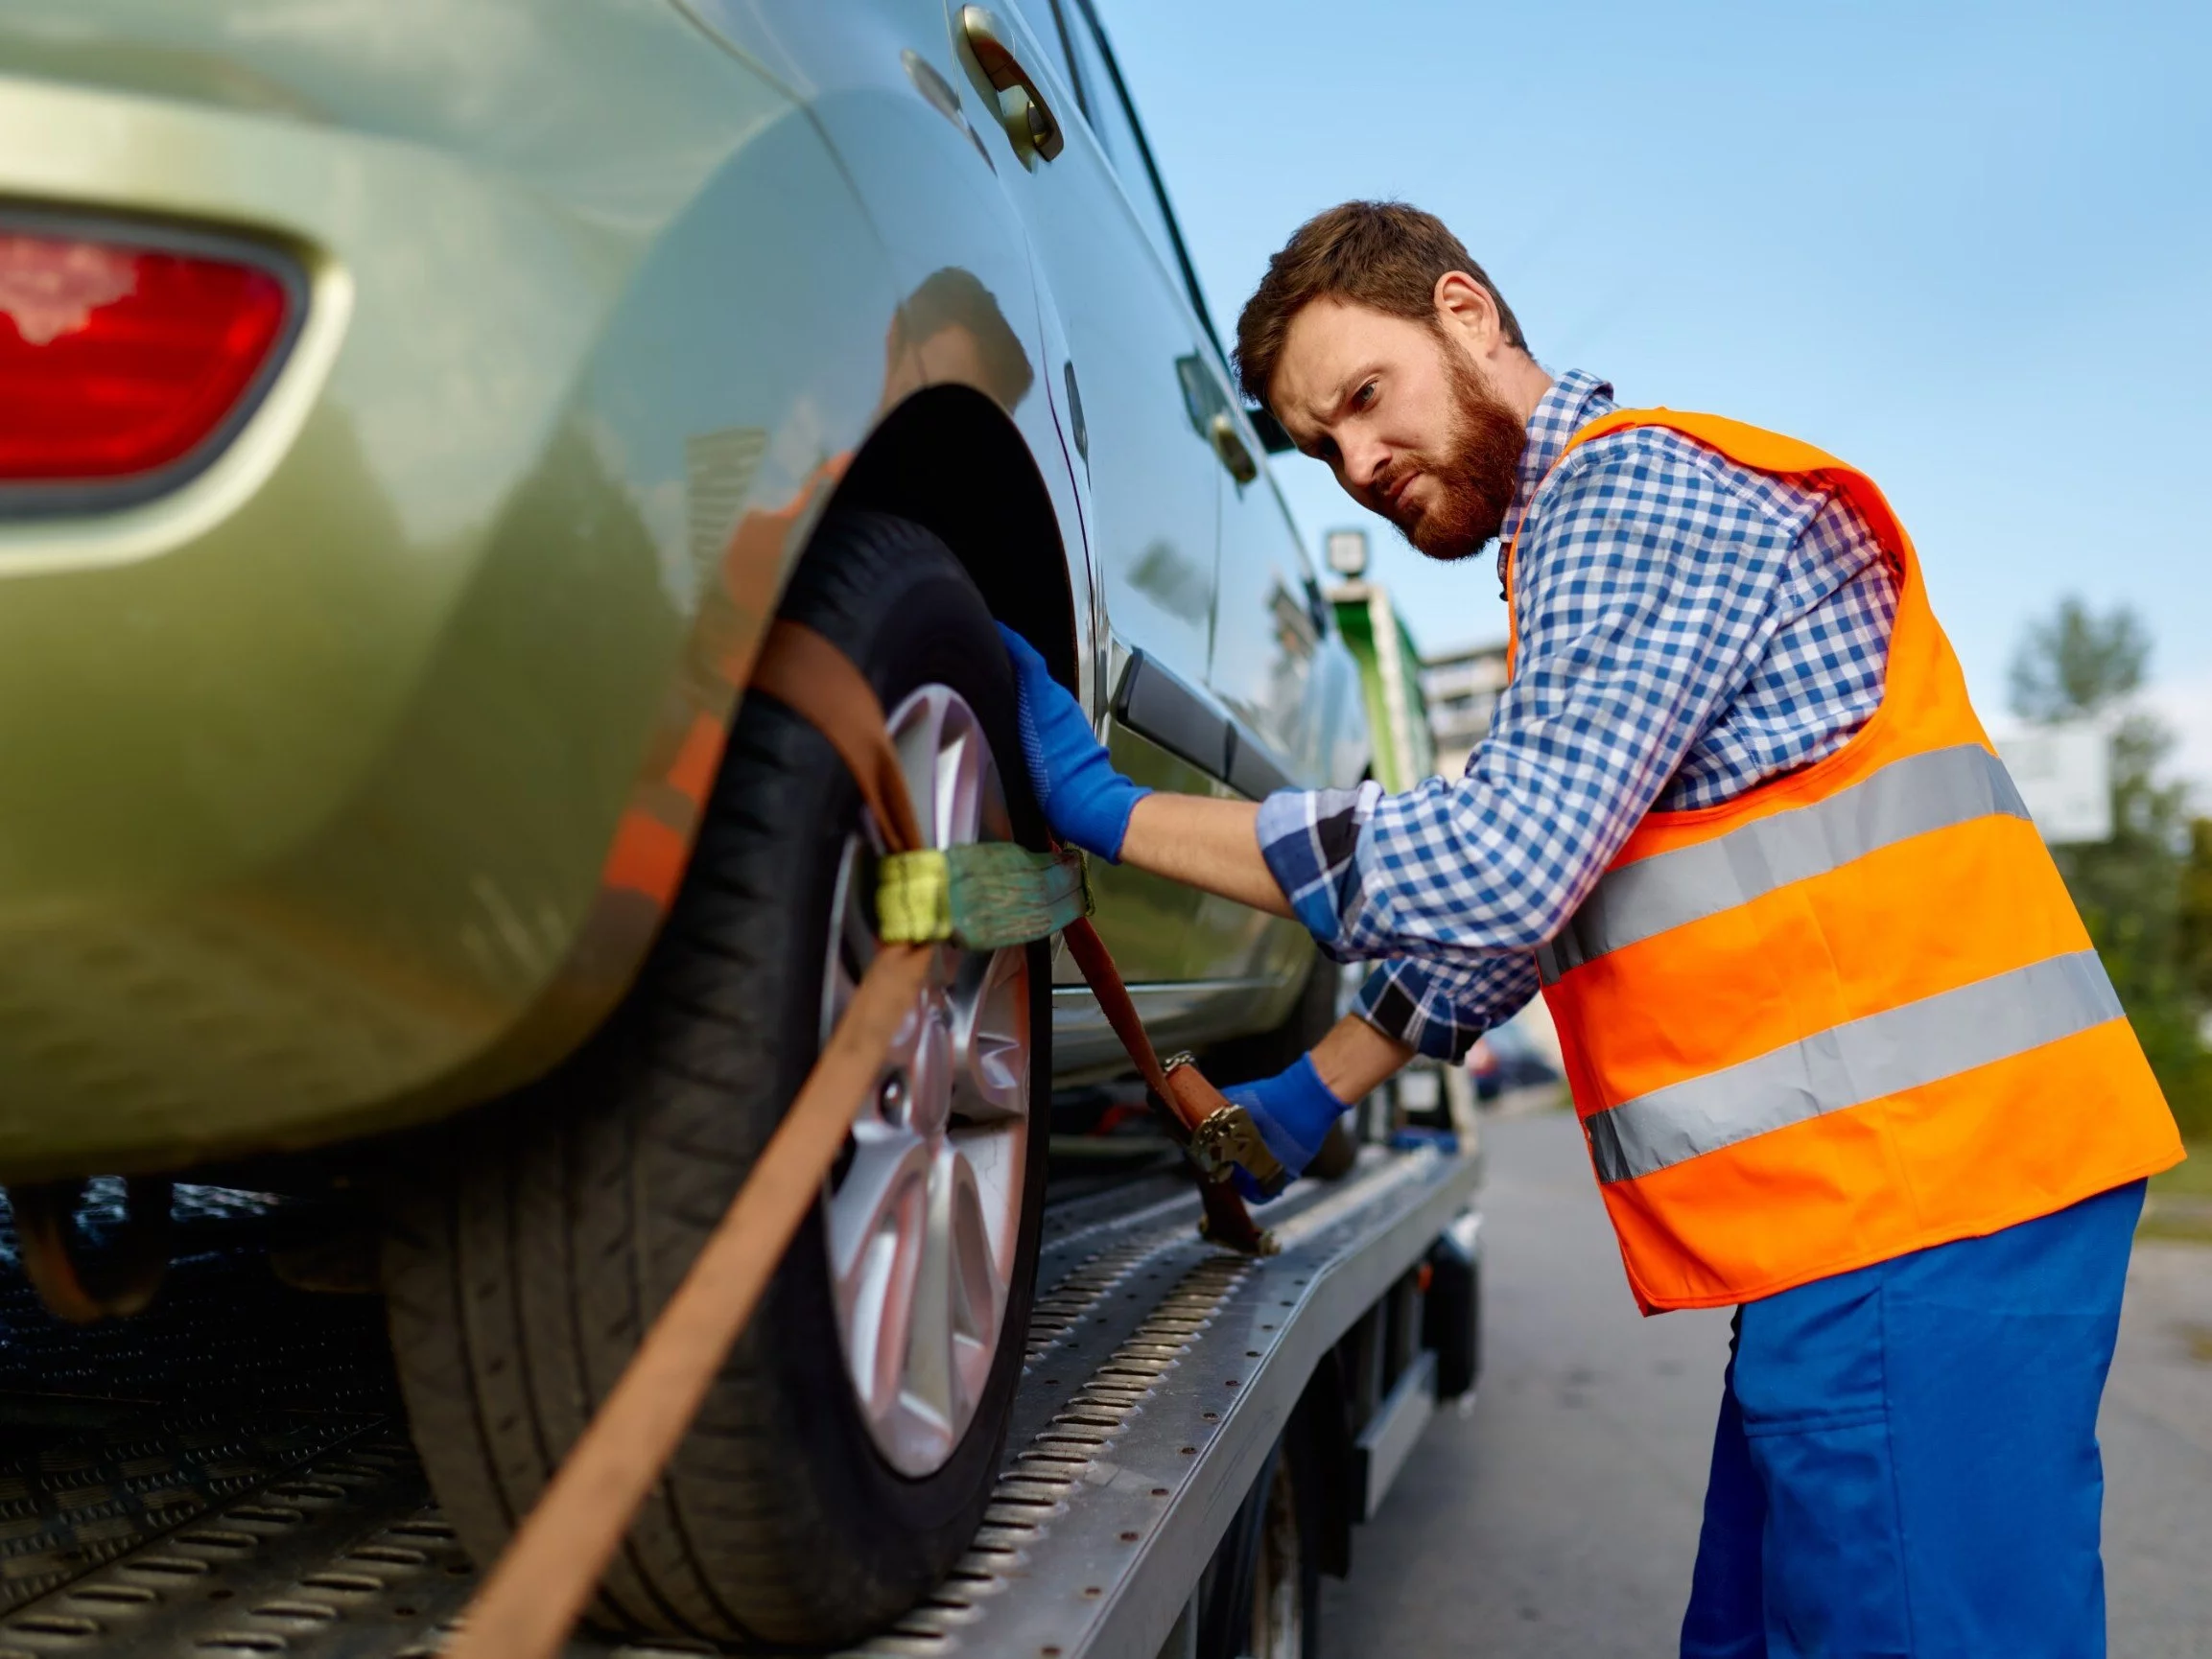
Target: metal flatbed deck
230 1474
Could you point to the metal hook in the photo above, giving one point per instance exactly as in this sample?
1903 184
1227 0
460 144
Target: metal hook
81 1284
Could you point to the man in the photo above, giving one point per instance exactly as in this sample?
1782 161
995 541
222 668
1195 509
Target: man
1842 1051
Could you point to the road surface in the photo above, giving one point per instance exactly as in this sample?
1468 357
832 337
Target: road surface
1559 1513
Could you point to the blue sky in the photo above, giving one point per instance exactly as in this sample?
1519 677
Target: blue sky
1967 247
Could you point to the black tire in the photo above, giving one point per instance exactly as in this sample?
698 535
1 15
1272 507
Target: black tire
1261 1592
1451 1316
519 1284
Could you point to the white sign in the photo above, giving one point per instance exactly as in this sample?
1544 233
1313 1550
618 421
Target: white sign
2064 774
1346 552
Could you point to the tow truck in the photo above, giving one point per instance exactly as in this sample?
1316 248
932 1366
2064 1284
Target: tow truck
1197 1433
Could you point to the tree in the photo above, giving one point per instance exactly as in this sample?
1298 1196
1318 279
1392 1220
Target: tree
2196 911
2139 892
2079 664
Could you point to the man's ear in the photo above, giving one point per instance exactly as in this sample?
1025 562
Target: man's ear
1465 309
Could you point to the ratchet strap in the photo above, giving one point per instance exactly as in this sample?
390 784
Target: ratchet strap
541 1582
1217 1136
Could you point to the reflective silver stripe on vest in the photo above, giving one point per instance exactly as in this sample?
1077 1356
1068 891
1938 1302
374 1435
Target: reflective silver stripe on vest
1906 797
1849 1065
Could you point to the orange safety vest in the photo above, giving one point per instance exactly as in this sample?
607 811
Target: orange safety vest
1851 1012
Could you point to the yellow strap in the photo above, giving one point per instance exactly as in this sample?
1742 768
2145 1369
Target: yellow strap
915 897
983 894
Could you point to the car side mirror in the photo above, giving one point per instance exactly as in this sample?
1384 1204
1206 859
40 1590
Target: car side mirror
1271 437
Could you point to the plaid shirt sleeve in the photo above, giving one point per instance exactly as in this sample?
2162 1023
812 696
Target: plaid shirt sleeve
1650 585
1439 1009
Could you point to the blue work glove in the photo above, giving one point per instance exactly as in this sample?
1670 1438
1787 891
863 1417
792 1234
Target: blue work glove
1087 801
1293 1110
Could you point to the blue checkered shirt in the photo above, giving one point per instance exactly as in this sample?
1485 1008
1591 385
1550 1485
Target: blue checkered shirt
1688 628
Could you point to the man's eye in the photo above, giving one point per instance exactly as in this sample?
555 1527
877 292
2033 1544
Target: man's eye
1364 396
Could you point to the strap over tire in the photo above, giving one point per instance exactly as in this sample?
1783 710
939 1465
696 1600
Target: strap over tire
540 1584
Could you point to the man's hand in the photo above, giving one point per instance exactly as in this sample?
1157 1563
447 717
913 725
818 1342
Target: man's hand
1293 1109
1086 801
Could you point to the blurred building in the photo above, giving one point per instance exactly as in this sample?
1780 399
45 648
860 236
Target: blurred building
1462 690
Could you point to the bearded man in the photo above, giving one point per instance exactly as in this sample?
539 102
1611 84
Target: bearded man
1840 1048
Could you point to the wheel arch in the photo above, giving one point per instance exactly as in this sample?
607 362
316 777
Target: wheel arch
948 459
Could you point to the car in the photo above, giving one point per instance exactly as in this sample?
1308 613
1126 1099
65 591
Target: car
1516 1061
413 419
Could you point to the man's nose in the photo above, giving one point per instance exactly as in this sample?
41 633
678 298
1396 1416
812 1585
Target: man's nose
1365 461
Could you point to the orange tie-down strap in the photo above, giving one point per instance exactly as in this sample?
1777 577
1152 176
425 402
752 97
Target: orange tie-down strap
538 1587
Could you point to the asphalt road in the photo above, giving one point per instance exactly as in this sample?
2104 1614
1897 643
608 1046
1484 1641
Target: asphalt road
1559 1514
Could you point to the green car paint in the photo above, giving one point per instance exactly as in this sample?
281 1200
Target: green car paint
308 770
325 778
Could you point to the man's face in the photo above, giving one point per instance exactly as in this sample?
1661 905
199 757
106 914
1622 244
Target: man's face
1406 420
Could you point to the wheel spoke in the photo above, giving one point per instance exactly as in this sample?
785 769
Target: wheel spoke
997 1153
960 762
877 1225
978 1279
852 944
991 1039
948 767
928 1388
918 733
957 1301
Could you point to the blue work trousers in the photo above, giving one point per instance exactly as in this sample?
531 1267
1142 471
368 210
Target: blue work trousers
1907 1461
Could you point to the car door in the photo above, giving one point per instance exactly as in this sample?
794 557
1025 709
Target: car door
1268 619
1153 499
1268 623
1262 704
1152 495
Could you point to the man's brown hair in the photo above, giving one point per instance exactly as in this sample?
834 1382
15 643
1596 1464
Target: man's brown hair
1382 254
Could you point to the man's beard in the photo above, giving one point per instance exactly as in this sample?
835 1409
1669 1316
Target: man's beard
1478 474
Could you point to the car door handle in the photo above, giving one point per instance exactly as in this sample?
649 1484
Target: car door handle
1155 704
1228 445
1027 117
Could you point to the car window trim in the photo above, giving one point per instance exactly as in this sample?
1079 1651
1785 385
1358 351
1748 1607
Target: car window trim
1273 438
1076 79
1120 91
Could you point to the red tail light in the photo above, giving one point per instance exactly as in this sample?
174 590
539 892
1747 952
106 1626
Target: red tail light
120 360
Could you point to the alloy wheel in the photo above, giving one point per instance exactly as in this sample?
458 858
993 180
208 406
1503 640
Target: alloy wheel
923 1210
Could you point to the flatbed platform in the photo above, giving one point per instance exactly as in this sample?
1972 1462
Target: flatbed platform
230 1474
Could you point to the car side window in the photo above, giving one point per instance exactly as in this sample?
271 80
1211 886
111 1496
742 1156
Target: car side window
1045 22
1115 126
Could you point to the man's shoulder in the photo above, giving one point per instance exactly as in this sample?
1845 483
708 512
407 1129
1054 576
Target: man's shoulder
1666 474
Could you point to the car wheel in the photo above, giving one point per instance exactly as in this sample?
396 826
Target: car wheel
841 1461
1286 1581
1260 1594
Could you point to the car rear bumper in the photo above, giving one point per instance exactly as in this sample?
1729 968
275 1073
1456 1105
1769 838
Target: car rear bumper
308 768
